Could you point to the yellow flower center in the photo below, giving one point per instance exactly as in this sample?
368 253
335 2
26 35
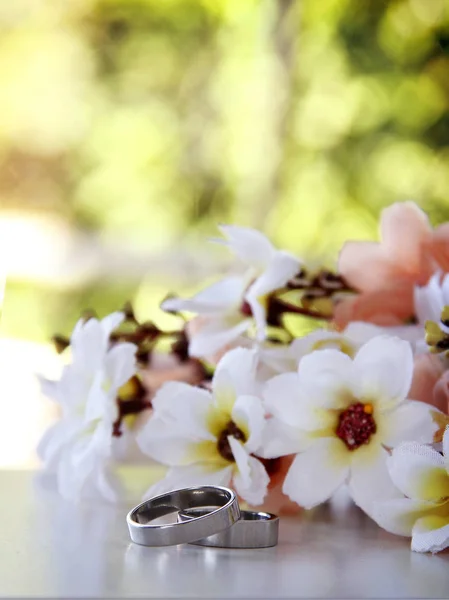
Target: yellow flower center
340 343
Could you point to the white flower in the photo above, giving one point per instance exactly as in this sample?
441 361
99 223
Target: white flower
432 298
209 437
422 475
340 415
430 301
281 358
78 447
230 305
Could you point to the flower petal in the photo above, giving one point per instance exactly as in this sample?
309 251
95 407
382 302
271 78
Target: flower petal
445 288
399 515
326 379
276 359
283 400
189 476
250 245
419 472
387 305
216 335
111 322
280 270
287 400
88 345
428 369
52 389
364 265
321 339
158 440
99 403
431 534
440 247
429 300
120 364
282 267
82 473
185 408
385 370
251 480
249 415
404 228
259 314
222 296
280 439
235 376
411 420
370 481
55 438
317 473
276 501
93 444
102 440
73 389
446 448
108 485
359 332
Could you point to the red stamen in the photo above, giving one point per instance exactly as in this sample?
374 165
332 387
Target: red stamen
245 309
356 425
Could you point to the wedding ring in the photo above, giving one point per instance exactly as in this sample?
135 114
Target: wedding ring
212 521
253 530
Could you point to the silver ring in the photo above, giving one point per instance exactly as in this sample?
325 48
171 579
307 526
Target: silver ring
210 522
253 530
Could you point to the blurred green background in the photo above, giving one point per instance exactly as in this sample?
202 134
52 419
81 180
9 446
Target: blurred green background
129 128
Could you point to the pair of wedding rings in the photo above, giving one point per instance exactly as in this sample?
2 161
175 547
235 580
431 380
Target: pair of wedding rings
207 516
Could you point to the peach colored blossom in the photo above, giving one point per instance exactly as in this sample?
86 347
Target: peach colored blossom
440 246
403 255
166 367
430 381
386 307
441 393
276 501
385 273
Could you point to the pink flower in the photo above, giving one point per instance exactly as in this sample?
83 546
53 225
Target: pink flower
403 255
440 246
385 273
166 367
441 393
276 501
430 382
387 307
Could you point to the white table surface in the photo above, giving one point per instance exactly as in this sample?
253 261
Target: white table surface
51 548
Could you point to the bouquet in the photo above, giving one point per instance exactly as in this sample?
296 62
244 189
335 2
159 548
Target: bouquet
285 383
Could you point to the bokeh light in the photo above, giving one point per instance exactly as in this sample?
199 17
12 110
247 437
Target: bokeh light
129 128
